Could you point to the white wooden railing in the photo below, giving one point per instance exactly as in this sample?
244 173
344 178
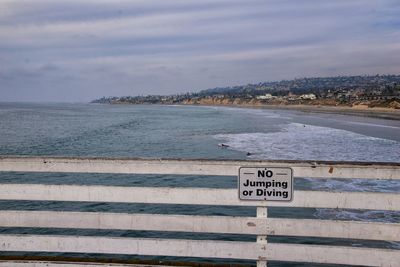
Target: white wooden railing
260 226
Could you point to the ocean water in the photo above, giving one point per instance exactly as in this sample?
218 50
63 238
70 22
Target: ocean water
195 132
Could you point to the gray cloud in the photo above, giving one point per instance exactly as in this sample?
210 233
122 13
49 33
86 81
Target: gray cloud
79 50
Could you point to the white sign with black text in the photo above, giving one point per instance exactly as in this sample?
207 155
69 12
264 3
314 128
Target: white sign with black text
266 183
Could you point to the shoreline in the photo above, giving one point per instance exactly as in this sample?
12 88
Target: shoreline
380 113
360 111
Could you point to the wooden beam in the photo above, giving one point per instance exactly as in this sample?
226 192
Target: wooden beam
123 221
202 248
202 224
194 196
314 169
133 246
67 264
333 255
334 229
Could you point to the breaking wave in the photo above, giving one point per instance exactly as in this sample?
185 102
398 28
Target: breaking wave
308 142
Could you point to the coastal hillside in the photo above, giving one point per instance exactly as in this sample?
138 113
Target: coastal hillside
354 91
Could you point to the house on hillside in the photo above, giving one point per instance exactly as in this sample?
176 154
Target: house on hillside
265 97
308 97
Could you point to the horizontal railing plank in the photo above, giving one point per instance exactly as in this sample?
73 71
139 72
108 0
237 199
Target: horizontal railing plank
133 246
313 169
334 229
194 196
28 263
202 224
333 255
202 248
123 221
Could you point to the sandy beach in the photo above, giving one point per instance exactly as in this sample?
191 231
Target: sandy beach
377 112
383 113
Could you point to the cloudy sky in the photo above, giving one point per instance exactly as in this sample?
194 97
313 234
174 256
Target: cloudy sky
70 50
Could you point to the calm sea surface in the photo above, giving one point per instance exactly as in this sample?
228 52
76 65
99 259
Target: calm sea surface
194 132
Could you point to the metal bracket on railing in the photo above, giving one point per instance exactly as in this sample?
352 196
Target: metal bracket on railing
262 212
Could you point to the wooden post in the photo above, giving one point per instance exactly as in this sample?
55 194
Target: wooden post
262 212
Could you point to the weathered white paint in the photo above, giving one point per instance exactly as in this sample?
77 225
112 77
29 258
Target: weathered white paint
133 246
202 248
335 229
262 213
202 224
123 221
194 196
67 264
260 251
333 255
197 167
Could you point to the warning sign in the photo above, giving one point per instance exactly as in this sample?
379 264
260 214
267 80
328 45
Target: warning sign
266 183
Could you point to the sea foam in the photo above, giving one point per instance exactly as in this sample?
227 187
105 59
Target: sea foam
309 142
